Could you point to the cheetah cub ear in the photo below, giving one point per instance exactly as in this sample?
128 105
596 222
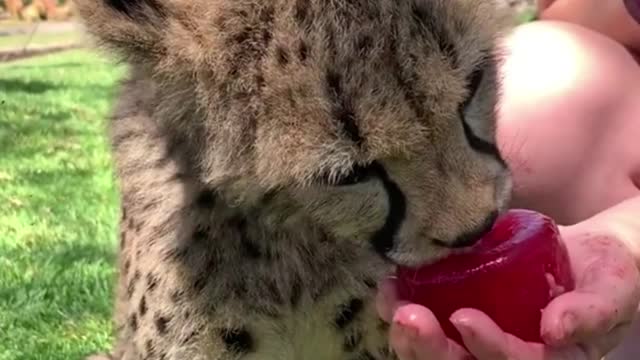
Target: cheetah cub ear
132 28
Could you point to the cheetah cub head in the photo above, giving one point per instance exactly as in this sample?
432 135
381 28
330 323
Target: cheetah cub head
372 120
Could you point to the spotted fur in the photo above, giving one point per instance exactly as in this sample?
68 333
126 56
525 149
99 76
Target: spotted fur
276 158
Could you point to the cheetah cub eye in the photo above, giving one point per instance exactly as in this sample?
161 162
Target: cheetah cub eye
358 174
466 114
474 81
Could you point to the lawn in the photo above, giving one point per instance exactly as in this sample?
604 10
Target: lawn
58 206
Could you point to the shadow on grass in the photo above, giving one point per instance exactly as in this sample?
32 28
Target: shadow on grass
56 189
26 86
31 86
46 125
64 254
44 130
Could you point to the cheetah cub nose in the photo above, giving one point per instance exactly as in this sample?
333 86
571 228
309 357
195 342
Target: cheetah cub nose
470 238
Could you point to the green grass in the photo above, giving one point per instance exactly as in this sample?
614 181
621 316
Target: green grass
527 16
58 207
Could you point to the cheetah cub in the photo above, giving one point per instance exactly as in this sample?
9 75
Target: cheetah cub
277 158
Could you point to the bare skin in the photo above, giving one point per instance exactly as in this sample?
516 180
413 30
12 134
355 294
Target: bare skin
568 126
611 18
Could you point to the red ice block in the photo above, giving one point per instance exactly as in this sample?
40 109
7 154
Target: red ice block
506 275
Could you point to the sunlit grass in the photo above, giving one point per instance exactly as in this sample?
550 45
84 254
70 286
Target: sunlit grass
58 206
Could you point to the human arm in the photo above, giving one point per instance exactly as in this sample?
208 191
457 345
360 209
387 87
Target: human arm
568 120
618 19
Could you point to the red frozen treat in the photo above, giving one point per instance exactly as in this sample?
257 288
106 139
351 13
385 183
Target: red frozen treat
511 275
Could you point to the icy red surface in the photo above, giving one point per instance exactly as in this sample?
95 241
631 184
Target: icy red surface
505 275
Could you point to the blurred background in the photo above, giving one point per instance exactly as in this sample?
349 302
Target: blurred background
58 197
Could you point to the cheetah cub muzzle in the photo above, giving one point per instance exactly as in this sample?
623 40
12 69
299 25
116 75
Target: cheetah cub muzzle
276 158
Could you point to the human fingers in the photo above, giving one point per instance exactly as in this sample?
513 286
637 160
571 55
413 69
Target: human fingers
486 341
416 335
387 299
606 296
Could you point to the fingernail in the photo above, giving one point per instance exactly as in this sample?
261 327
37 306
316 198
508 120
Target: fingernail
459 319
387 287
633 7
409 332
462 325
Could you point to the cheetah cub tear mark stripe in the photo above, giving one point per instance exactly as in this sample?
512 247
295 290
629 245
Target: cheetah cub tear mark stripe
382 240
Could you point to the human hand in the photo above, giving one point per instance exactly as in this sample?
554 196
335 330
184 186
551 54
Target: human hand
583 324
